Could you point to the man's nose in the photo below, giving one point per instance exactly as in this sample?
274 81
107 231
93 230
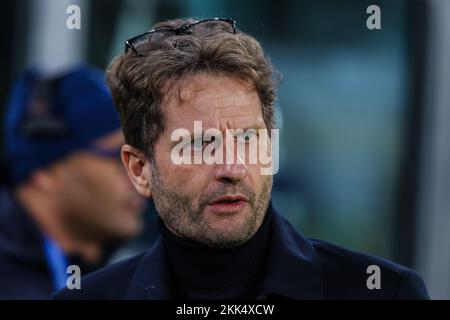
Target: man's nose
230 173
234 168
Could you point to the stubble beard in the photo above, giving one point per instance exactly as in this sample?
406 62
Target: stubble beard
186 219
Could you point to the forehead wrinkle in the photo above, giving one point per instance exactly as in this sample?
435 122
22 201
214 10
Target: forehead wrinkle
226 111
213 103
246 122
189 89
225 99
239 117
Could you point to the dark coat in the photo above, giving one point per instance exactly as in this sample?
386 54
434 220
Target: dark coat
296 268
24 273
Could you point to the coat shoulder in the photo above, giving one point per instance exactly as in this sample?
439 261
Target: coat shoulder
110 282
349 274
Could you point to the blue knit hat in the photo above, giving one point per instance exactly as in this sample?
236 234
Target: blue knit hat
76 109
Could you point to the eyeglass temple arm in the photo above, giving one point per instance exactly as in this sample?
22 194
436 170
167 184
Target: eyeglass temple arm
129 45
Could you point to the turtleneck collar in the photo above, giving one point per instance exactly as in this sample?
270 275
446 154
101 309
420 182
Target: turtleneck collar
198 266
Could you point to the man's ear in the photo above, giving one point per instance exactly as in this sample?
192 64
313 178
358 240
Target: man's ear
138 169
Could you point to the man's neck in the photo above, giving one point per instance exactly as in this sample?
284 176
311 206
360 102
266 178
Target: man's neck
209 271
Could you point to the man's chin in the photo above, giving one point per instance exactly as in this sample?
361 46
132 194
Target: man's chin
228 230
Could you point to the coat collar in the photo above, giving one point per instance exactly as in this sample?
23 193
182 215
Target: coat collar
293 268
151 278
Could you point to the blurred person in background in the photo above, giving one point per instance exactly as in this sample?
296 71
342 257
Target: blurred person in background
68 200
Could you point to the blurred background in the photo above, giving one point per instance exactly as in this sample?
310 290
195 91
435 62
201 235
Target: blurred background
364 114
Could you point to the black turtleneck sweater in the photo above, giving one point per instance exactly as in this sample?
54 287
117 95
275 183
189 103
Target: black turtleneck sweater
201 272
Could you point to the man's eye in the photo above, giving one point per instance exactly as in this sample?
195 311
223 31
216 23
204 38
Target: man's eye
197 144
246 136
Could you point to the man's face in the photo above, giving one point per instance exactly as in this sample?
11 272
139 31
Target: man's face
95 194
220 205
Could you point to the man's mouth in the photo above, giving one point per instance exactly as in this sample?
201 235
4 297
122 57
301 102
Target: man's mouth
228 203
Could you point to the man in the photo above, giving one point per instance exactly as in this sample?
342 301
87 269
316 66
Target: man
221 238
69 199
